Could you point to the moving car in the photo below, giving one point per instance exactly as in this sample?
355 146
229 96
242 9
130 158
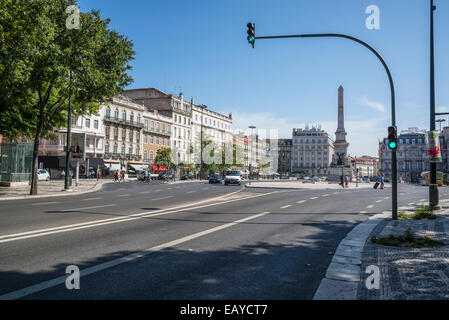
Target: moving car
233 177
43 175
215 178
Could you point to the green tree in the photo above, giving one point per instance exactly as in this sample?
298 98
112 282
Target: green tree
163 157
42 61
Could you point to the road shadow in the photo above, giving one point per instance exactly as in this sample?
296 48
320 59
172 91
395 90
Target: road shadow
284 266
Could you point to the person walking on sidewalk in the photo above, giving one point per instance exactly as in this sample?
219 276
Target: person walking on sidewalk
382 181
346 181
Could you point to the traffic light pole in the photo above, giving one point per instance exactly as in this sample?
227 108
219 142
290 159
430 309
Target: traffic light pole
394 178
68 177
433 187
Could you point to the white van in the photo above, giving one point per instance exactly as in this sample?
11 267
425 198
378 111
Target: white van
233 177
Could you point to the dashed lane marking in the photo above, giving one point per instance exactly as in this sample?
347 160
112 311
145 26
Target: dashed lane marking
313 198
370 206
43 203
286 206
301 201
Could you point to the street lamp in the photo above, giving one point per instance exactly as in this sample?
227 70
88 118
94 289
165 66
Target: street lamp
251 155
202 106
439 121
393 109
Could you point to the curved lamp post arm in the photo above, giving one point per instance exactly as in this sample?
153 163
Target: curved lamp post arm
337 35
393 110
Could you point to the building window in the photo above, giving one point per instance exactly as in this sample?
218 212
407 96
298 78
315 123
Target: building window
138 119
123 149
145 155
95 124
108 112
145 138
130 150
131 117
107 132
115 133
116 114
146 124
151 155
87 123
123 134
106 147
131 135
124 115
115 148
151 139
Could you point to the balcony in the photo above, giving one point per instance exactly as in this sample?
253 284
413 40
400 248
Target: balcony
159 131
124 121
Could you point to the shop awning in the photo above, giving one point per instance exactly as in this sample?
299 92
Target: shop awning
138 167
154 167
162 168
112 165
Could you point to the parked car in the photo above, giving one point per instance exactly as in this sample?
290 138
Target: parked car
215 178
187 176
43 175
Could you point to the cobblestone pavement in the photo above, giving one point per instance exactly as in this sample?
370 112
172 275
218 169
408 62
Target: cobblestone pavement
51 187
408 273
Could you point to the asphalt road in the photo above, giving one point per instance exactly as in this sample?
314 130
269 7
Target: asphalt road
181 241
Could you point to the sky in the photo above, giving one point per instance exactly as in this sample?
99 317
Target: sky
199 47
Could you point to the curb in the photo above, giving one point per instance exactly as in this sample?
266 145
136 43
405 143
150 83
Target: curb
95 187
291 188
343 274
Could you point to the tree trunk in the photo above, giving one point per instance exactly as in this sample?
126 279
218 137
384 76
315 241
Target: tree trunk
33 190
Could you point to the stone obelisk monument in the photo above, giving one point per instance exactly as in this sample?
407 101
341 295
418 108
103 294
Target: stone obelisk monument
340 145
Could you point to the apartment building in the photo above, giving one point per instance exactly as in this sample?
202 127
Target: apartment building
156 134
312 150
176 108
123 125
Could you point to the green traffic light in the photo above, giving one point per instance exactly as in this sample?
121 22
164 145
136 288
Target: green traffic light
392 145
250 39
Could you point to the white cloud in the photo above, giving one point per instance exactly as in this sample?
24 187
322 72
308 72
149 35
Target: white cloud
442 109
363 136
373 104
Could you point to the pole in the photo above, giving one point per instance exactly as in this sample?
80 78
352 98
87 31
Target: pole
201 143
394 169
251 155
433 187
68 178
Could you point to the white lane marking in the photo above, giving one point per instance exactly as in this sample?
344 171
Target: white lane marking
336 192
370 206
286 206
301 201
190 191
157 190
313 198
77 209
411 203
363 212
325 195
422 199
125 195
42 203
90 224
169 188
90 199
162 198
143 192
387 198
60 280
379 201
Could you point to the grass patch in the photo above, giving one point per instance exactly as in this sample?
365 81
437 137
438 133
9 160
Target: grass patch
421 213
408 240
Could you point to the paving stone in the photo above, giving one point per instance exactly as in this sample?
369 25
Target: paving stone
330 289
348 253
348 260
343 272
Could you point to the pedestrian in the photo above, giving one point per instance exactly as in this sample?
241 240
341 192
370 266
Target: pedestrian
63 174
122 176
116 176
382 181
346 181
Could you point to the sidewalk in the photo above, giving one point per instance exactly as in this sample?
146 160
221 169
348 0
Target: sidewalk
297 184
52 188
405 273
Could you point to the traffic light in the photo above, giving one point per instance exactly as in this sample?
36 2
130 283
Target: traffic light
392 138
251 33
